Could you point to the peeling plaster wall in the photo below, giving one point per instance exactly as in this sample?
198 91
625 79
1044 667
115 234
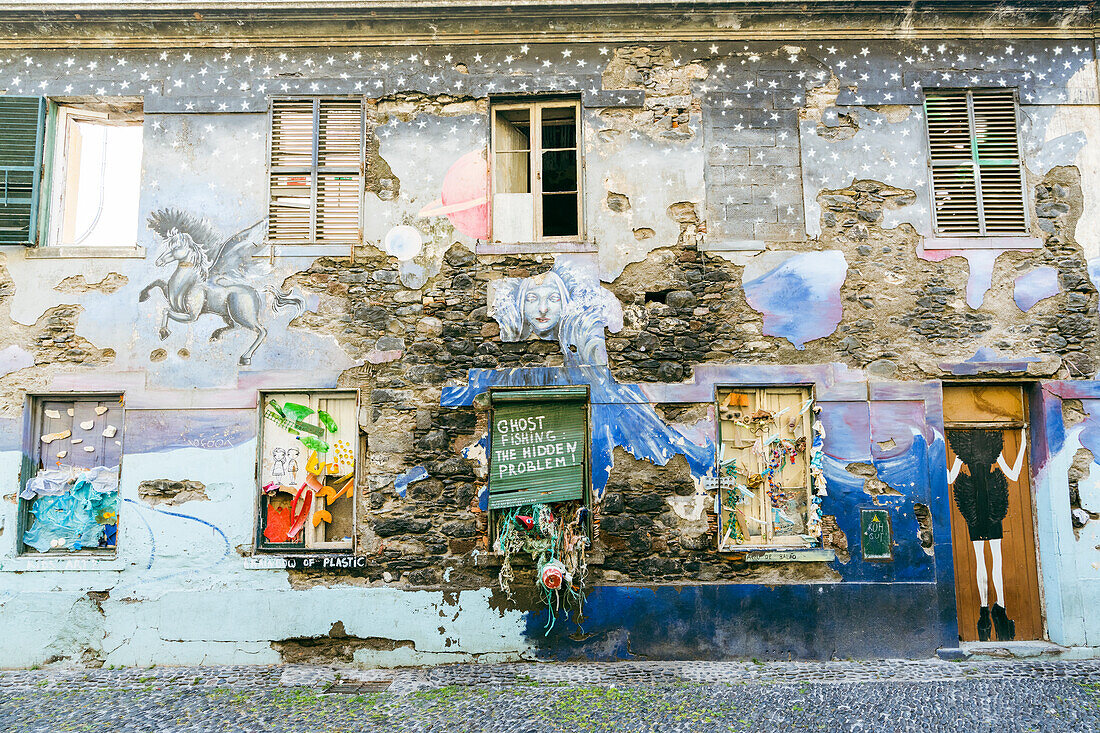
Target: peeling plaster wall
717 286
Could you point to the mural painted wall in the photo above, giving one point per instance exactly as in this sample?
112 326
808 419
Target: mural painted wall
756 215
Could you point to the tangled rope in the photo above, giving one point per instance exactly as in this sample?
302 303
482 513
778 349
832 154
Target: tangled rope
558 548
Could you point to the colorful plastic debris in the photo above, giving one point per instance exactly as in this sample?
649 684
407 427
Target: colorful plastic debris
327 421
77 518
314 444
277 526
298 517
309 428
294 411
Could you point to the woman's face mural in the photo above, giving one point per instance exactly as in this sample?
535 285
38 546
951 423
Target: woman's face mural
542 309
566 304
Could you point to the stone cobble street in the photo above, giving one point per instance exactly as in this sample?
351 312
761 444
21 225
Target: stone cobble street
930 695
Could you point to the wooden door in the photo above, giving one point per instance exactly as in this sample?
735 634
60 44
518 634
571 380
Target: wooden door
984 421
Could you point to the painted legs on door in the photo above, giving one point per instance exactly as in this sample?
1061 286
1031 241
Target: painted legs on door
996 620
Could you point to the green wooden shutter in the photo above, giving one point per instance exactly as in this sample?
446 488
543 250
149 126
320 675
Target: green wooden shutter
22 121
539 446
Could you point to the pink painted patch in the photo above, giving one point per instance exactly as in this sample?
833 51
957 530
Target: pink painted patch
465 196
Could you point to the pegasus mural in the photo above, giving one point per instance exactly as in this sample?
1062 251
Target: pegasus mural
213 275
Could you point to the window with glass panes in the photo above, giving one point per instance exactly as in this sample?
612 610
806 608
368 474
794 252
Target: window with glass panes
536 171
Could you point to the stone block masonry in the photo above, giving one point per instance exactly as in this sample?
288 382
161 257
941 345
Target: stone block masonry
752 145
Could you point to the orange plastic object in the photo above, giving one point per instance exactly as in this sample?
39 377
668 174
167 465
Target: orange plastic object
298 520
277 526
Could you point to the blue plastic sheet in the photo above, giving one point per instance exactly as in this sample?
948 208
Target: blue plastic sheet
84 517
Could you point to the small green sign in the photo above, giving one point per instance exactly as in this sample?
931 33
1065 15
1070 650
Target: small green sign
538 451
876 535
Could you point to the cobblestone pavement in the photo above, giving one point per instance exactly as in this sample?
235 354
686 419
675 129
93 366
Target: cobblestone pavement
930 695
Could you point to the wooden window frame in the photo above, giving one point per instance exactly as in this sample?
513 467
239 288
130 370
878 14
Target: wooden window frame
58 167
794 542
310 545
535 151
980 239
314 170
33 426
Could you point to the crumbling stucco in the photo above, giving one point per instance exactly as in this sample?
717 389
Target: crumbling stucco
170 492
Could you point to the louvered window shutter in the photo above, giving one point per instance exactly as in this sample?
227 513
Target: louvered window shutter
22 122
538 446
976 174
316 171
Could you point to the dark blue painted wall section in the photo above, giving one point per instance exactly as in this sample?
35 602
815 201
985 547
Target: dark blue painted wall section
904 607
815 621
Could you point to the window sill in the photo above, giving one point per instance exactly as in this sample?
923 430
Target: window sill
780 553
948 243
330 560
521 248
74 562
733 245
495 559
78 252
305 250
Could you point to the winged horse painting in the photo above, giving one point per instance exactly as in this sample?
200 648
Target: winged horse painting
212 276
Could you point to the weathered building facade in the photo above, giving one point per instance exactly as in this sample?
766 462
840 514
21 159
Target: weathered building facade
766 330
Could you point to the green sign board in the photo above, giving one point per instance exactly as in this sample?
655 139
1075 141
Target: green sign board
538 444
876 534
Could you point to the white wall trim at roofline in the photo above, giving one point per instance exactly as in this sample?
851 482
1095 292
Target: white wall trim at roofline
300 5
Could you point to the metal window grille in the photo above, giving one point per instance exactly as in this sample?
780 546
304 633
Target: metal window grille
316 171
977 179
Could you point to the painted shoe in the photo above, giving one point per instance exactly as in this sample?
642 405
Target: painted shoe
1002 624
984 625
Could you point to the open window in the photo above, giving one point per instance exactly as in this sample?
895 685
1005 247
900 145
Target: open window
69 481
94 176
769 468
536 174
316 171
308 452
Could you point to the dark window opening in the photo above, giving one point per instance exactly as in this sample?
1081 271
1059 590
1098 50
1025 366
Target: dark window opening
536 171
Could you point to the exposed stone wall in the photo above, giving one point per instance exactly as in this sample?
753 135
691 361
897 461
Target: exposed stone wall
1069 327
902 314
